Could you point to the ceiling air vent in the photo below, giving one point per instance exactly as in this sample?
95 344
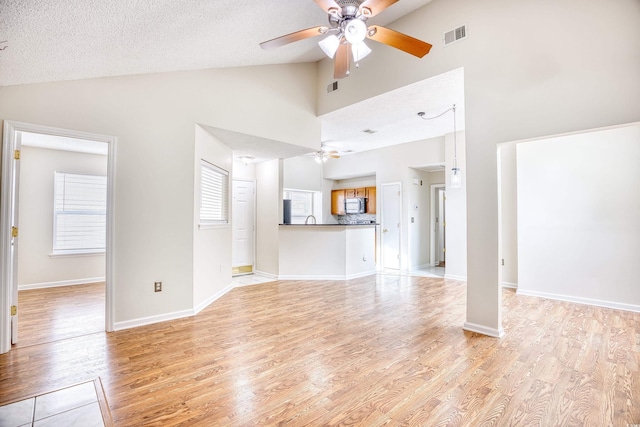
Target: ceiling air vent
332 87
455 35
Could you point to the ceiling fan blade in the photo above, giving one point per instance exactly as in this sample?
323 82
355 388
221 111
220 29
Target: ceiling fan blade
398 40
333 156
328 5
342 61
293 37
376 6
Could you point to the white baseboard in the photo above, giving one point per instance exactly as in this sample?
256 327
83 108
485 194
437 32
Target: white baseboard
509 285
60 283
149 320
326 277
267 275
204 304
484 330
118 326
580 300
454 277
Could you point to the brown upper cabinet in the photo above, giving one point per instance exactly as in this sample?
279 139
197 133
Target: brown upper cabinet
338 197
337 202
371 200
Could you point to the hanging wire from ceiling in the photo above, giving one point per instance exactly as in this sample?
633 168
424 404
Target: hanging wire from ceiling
456 177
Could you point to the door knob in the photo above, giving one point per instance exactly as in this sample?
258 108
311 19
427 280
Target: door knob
385 230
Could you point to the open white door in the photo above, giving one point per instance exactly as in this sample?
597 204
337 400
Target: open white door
9 235
243 219
9 231
391 209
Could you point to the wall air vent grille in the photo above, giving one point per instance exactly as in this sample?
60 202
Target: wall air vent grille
457 34
332 87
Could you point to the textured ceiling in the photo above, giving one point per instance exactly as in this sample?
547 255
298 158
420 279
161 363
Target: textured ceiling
393 116
52 40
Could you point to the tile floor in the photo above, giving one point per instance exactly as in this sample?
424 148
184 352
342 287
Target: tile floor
72 406
249 279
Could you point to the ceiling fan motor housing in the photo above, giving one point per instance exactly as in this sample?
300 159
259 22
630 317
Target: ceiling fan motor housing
349 10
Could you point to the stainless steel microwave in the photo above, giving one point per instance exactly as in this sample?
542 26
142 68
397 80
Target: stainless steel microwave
354 205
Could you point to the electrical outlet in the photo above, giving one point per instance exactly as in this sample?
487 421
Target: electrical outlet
157 286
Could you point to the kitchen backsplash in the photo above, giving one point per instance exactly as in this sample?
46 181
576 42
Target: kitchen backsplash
357 219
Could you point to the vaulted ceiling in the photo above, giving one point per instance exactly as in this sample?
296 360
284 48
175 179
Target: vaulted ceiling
54 40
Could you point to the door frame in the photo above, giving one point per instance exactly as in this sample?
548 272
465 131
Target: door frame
433 225
400 227
7 206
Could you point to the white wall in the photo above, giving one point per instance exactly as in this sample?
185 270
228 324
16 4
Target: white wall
302 173
456 211
418 217
268 215
579 217
508 197
35 265
522 80
153 117
390 164
244 172
211 245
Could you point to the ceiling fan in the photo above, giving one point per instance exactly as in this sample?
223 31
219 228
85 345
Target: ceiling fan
322 155
346 33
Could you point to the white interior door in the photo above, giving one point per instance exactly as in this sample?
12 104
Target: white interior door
391 211
243 219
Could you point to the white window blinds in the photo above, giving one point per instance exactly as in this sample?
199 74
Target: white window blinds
80 208
214 194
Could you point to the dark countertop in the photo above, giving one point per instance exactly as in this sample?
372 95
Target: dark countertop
328 225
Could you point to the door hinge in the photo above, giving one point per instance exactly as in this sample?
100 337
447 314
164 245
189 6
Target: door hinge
14 231
444 249
14 310
16 154
444 224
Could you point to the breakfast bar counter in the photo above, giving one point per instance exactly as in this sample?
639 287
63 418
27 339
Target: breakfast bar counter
326 251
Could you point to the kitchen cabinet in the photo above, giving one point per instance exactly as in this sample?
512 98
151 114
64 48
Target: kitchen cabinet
371 200
350 193
361 192
337 202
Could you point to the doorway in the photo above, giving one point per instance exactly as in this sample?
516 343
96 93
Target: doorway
21 140
391 214
243 227
438 225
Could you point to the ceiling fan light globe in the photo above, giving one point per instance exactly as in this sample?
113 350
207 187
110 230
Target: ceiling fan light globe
329 45
355 31
360 51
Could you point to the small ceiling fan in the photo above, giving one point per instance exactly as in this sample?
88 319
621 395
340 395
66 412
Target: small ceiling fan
346 33
322 155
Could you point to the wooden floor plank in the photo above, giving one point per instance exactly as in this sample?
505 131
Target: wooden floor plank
376 351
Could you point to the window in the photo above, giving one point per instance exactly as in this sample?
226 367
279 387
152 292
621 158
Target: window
80 213
301 204
214 194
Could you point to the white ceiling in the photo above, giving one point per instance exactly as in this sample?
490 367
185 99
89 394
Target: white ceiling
393 116
54 40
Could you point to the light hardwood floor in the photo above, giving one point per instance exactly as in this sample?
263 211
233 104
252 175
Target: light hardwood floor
62 312
382 350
